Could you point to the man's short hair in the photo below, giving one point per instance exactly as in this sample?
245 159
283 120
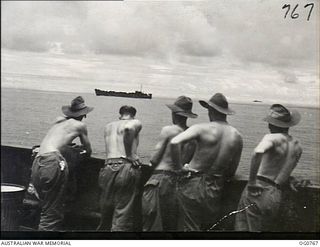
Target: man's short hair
280 129
127 109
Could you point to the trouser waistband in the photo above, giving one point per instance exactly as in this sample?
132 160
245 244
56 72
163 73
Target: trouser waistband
120 161
269 181
167 172
190 174
56 154
49 154
111 161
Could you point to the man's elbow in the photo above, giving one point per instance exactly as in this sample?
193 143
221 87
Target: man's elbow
154 162
174 142
256 152
88 150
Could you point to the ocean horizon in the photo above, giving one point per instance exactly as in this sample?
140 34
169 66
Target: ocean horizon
248 102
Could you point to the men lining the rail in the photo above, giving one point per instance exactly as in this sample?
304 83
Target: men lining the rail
216 158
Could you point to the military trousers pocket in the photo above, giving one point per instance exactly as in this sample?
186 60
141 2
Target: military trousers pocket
151 183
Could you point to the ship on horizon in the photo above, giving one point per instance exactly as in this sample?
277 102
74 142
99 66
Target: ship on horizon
136 94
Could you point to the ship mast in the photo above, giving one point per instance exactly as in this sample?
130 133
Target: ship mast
140 87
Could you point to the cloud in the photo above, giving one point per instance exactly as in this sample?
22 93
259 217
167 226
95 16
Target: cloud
136 28
251 31
289 76
256 31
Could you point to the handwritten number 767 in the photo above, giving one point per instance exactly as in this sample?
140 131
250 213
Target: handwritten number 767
296 15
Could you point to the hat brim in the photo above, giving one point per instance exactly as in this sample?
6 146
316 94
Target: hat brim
209 104
69 113
295 119
179 111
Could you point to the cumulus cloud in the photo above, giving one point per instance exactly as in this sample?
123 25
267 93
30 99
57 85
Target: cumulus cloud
252 31
245 49
289 77
256 31
125 28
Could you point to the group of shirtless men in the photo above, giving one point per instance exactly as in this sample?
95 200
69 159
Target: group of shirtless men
190 167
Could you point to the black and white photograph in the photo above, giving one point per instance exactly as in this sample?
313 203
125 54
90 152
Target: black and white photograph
160 119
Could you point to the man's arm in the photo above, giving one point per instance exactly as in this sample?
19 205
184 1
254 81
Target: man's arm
190 134
235 159
105 137
254 167
265 145
187 151
160 146
131 130
85 140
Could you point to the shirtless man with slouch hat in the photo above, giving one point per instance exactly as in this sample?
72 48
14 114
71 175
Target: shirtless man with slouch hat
120 178
273 160
216 158
49 174
159 202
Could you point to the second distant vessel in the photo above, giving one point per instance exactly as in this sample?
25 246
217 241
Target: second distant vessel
136 94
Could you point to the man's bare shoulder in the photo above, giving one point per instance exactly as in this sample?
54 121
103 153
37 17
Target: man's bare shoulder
202 126
203 129
132 124
108 125
77 124
136 122
171 130
60 119
236 133
270 141
69 122
274 137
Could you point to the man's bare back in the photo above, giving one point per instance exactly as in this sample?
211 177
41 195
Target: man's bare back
62 133
161 188
280 154
219 147
181 110
163 149
119 179
121 134
272 162
50 171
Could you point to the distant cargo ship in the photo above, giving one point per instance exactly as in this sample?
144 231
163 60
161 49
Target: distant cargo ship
136 94
257 101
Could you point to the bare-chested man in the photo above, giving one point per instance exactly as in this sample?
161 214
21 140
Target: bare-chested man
273 160
49 174
159 201
216 159
120 178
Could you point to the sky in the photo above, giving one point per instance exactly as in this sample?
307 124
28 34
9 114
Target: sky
244 49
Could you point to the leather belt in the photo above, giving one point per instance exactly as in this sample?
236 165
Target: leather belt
269 181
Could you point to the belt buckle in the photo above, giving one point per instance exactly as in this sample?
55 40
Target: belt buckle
62 165
115 165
